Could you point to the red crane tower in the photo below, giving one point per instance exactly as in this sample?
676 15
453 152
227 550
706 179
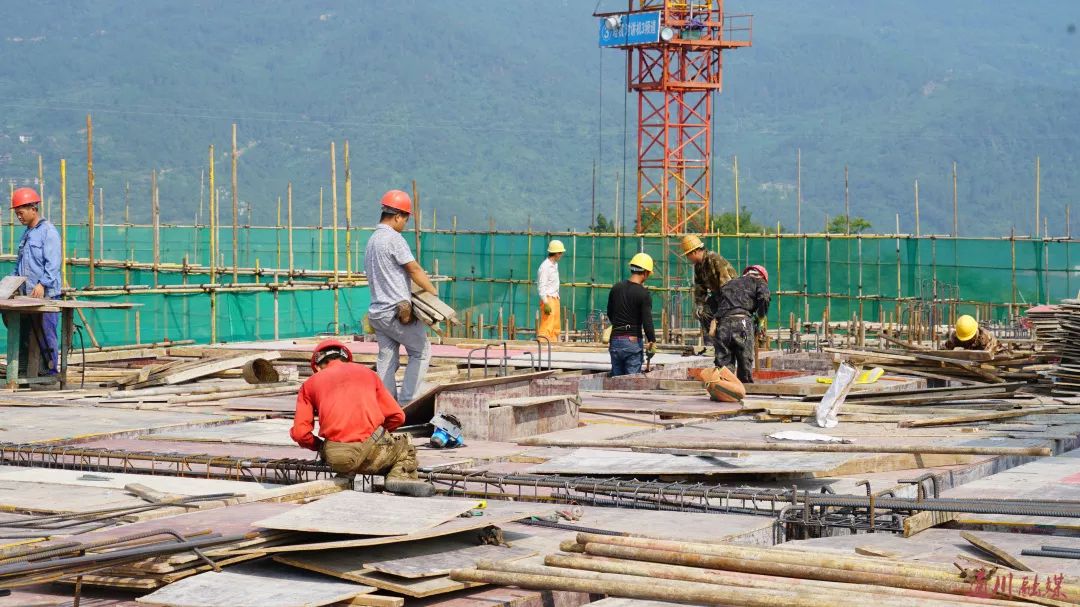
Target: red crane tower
674 63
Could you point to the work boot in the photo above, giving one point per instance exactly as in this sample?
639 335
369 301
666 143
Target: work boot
407 486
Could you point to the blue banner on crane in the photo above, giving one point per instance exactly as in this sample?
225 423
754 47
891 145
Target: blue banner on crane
630 29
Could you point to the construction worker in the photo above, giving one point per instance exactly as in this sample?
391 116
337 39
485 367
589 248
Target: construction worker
629 309
390 268
356 416
968 335
711 271
547 284
38 261
740 305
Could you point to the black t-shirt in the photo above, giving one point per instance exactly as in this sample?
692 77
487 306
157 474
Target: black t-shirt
629 308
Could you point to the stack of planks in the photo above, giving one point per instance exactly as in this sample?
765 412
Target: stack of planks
962 366
1066 374
431 309
182 371
727 574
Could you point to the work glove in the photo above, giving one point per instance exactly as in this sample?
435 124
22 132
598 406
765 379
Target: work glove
546 308
650 348
702 314
405 313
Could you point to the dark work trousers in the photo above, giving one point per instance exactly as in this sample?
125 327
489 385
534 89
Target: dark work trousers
735 346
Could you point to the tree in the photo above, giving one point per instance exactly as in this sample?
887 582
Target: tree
603 225
724 223
839 225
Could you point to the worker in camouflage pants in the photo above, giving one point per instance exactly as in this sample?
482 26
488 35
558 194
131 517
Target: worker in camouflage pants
741 304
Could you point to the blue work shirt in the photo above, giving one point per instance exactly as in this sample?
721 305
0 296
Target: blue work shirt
39 259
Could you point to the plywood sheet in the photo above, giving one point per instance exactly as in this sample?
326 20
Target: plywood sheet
437 556
165 484
356 513
496 513
600 462
255 585
336 563
39 424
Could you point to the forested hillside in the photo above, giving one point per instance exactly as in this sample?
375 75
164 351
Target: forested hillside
500 108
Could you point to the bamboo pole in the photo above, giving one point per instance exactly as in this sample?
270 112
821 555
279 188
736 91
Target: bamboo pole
917 226
416 219
155 211
101 222
334 209
277 241
1038 187
955 205
41 187
798 191
319 230
63 225
735 170
90 192
660 571
348 214
686 592
235 210
213 220
847 204
290 220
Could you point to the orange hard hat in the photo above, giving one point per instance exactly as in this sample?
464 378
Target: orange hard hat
24 196
317 355
760 270
396 199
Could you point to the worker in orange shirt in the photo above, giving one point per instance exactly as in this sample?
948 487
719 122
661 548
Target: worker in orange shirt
356 417
547 286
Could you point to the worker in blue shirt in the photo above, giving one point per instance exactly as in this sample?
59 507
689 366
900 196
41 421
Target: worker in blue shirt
39 262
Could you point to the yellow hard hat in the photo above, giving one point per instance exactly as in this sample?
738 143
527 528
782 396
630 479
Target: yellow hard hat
643 261
691 243
966 327
556 246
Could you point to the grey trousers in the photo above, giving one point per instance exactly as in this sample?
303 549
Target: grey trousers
391 335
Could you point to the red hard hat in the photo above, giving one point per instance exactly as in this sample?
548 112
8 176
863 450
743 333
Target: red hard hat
24 196
327 344
396 199
760 270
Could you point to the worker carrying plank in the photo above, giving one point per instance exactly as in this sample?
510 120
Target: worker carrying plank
389 265
968 335
547 285
629 309
356 417
38 261
711 271
741 305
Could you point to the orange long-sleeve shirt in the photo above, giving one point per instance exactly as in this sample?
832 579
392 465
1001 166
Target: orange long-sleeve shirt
351 403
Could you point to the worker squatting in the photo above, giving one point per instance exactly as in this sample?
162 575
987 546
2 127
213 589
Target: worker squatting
358 409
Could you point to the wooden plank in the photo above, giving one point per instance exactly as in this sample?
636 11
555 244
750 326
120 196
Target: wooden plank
422 408
9 285
255 585
496 513
994 551
925 520
356 513
972 418
443 561
373 600
216 366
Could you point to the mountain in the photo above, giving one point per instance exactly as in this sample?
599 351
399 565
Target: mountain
500 109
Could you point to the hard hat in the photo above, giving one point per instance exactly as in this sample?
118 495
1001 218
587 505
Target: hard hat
966 327
691 243
760 270
322 350
556 246
24 196
643 261
396 199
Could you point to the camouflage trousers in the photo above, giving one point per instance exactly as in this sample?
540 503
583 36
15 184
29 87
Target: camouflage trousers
382 453
734 346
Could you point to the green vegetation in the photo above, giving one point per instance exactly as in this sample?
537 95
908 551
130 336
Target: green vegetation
493 107
839 225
